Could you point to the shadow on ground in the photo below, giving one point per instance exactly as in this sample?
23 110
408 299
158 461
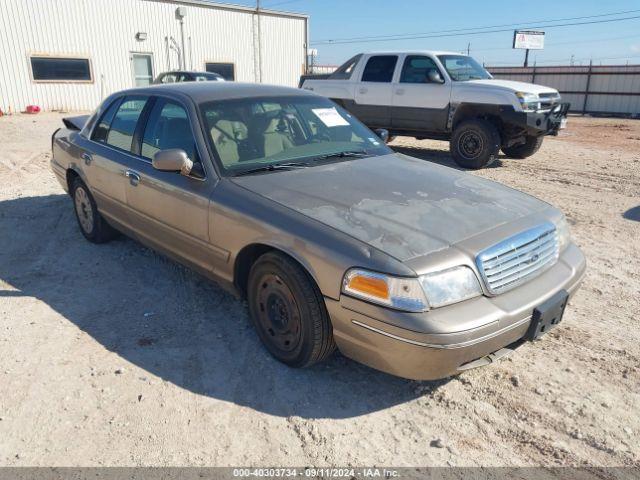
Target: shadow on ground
172 322
632 214
441 157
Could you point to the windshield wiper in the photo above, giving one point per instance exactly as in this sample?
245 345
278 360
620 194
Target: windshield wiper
272 167
348 153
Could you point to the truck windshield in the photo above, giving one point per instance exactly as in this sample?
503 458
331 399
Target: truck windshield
462 68
250 133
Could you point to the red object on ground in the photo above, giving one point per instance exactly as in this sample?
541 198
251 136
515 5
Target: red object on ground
33 109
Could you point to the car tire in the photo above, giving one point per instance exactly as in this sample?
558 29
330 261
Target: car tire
288 311
92 225
524 150
475 144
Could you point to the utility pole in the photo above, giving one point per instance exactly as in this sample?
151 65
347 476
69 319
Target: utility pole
526 58
469 48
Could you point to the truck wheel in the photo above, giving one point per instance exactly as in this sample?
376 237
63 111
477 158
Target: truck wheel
92 225
475 144
288 311
524 150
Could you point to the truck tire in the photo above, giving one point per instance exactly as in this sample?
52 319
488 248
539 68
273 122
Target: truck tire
288 311
475 144
524 150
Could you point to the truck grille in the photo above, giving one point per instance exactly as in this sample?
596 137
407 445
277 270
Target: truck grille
519 258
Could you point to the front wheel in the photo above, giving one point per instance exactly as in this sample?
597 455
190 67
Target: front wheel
524 150
288 311
475 144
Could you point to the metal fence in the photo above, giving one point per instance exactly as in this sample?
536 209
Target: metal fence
603 89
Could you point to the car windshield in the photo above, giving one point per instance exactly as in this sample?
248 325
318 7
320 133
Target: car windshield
462 68
250 133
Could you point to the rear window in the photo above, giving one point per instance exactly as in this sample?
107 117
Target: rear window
380 69
344 71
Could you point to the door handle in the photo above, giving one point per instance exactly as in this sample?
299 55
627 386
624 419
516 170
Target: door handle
87 158
133 177
400 91
363 90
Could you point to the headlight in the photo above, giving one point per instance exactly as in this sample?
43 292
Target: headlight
564 234
413 294
450 286
529 102
395 292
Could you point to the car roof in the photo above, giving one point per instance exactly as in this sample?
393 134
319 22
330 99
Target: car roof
201 92
414 52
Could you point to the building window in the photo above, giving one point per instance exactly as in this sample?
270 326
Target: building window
227 70
61 69
142 69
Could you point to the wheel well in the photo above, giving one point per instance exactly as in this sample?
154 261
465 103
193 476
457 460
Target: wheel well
71 176
244 261
248 256
469 112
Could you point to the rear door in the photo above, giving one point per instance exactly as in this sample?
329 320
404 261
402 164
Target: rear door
419 103
373 95
170 211
108 156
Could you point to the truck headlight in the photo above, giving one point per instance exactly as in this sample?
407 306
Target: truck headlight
412 294
450 286
563 232
530 102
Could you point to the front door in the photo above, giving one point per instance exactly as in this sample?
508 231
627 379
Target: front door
373 92
420 101
170 211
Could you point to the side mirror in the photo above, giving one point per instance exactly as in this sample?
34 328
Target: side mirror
382 133
434 77
172 160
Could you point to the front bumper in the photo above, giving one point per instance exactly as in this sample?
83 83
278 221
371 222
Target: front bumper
539 123
370 334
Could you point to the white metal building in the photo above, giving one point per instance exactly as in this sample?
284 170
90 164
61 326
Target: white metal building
69 54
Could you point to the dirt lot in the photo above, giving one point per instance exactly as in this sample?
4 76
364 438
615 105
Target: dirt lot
113 355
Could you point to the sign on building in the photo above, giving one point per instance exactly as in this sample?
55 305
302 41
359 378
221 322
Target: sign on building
528 39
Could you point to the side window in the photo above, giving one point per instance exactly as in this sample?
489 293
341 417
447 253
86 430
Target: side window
416 69
344 71
380 69
124 123
168 127
102 129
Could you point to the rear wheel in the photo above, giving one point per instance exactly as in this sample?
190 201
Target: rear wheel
475 144
92 225
288 311
524 150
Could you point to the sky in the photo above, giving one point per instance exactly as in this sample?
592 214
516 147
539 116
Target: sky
606 43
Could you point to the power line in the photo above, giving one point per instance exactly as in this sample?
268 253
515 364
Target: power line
282 3
476 30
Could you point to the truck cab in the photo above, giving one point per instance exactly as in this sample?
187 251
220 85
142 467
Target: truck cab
445 96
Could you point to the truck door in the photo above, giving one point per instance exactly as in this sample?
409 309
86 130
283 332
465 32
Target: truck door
421 96
373 93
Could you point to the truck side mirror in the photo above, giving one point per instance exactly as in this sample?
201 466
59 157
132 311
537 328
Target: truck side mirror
383 134
434 77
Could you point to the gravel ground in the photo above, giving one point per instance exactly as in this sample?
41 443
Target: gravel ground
114 355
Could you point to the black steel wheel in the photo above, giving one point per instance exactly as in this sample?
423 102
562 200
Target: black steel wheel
288 311
475 143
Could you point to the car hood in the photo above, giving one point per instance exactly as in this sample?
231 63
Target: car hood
401 205
514 86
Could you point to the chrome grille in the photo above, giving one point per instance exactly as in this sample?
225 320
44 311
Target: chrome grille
519 258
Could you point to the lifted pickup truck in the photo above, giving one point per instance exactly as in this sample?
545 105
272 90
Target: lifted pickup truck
445 96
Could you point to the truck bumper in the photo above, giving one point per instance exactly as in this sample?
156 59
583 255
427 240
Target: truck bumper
369 335
540 123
